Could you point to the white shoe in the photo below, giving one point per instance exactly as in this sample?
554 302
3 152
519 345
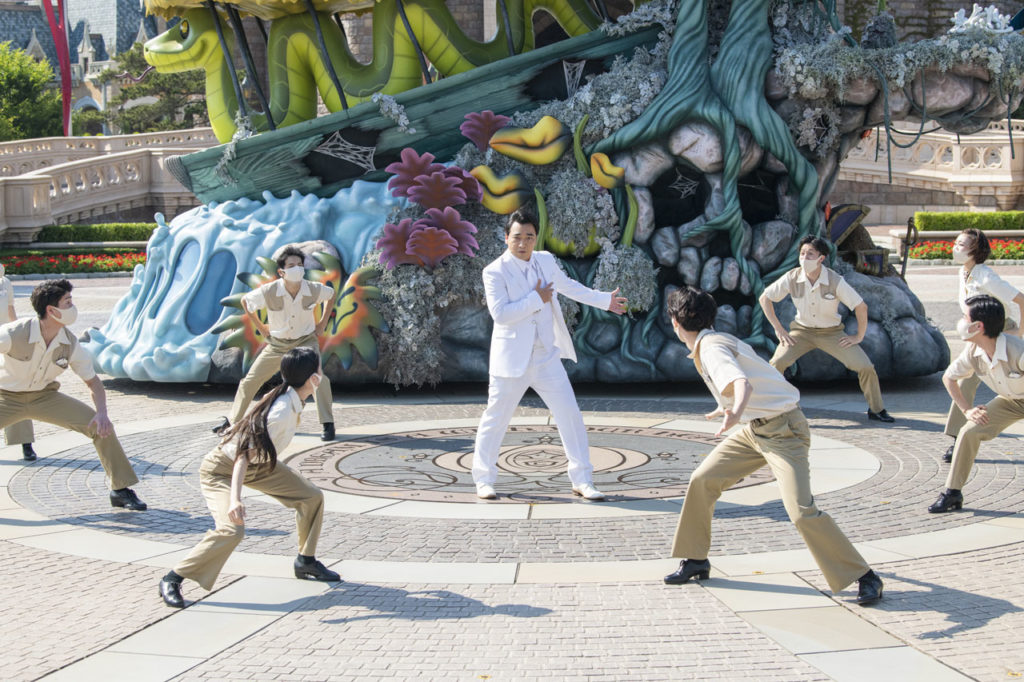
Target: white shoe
485 491
588 492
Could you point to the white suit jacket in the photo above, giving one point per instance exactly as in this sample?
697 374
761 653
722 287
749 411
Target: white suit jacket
514 305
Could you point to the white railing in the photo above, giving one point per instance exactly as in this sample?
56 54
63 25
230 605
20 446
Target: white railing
985 164
25 156
77 191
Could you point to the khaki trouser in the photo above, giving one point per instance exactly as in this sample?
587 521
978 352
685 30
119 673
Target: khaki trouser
52 407
266 364
827 339
1001 413
22 432
204 563
783 442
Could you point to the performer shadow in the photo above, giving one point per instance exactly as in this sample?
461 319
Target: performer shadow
964 610
419 605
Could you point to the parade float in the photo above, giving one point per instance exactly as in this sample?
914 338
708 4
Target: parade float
661 145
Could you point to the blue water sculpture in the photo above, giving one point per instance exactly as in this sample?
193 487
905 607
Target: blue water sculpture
160 330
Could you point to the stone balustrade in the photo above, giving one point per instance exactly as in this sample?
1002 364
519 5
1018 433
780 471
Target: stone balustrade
985 171
89 189
24 156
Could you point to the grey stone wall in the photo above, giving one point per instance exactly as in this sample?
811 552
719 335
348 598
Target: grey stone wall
469 14
915 19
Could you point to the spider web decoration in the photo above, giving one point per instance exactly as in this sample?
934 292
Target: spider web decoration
684 186
340 148
573 74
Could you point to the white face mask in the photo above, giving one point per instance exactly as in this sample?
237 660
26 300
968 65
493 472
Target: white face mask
959 255
2 269
67 316
963 329
810 265
294 273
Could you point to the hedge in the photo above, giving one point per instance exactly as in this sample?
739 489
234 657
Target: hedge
956 221
1002 249
103 232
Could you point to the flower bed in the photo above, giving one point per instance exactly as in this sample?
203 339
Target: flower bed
1002 249
71 263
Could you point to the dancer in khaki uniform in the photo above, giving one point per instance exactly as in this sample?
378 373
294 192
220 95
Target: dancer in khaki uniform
33 353
970 250
997 359
817 292
750 392
21 433
248 455
290 302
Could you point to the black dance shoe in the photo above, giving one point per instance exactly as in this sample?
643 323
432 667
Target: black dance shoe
171 593
315 571
328 433
27 453
881 416
870 590
948 501
689 568
222 427
948 457
126 497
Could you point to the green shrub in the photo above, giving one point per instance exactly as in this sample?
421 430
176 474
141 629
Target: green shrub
956 221
103 232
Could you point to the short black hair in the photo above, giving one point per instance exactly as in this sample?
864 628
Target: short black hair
523 216
981 249
49 293
290 250
693 308
989 311
819 244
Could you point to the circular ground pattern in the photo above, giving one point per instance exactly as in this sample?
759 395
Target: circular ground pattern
436 464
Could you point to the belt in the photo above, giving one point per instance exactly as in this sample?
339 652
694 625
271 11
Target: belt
761 421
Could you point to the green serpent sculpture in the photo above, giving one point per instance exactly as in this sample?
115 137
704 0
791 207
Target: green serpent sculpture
296 67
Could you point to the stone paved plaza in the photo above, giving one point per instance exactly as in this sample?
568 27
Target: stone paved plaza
538 585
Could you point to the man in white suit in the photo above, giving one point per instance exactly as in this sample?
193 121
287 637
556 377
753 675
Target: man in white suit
528 342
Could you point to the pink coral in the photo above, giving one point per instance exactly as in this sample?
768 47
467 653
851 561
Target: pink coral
408 169
431 245
467 183
437 190
451 222
394 244
479 126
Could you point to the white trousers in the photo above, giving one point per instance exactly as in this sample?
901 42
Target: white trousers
549 380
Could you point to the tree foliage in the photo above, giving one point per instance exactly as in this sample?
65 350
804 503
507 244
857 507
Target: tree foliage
169 101
29 105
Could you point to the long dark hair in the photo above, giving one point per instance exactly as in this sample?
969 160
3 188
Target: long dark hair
250 432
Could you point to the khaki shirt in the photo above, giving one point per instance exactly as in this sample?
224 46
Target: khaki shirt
721 359
282 422
983 280
289 318
817 305
6 299
28 364
1003 372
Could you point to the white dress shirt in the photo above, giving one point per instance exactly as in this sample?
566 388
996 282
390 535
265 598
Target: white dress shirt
983 280
29 364
721 359
289 318
1003 372
543 319
282 422
6 299
817 304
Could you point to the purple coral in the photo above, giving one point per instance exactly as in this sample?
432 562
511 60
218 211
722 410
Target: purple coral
431 245
467 183
450 221
394 243
479 126
408 169
437 190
